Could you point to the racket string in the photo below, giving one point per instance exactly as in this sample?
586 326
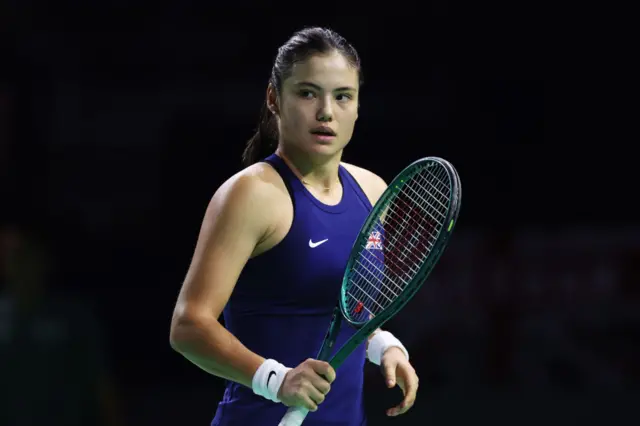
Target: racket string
383 288
445 185
445 196
411 224
423 191
363 305
389 292
365 293
417 224
403 225
429 228
425 210
380 271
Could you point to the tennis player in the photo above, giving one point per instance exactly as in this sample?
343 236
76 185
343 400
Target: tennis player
273 248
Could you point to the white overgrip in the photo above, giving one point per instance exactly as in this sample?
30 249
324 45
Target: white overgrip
294 416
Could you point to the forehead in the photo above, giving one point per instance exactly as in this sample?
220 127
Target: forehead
326 70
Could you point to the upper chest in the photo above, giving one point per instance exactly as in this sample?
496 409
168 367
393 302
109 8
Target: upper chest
310 260
298 213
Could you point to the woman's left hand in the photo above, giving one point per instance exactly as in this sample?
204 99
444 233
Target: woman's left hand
397 370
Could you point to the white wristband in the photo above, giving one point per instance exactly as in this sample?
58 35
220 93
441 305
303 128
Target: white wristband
268 378
379 343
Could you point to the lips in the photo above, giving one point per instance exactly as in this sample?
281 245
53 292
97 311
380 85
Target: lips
323 131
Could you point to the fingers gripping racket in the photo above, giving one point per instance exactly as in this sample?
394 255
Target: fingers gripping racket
396 249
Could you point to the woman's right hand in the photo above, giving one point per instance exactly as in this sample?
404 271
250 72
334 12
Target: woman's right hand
307 384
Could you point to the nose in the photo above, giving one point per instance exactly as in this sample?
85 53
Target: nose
325 110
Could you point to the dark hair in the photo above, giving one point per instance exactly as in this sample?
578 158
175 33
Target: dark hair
299 47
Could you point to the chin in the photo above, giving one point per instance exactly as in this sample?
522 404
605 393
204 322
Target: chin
325 150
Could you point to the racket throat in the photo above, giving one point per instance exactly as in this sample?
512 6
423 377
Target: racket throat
330 338
354 341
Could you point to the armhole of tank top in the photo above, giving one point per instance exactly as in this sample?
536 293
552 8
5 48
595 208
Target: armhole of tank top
287 184
357 188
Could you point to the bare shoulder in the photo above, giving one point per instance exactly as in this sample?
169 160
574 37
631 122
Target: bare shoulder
257 182
253 193
372 184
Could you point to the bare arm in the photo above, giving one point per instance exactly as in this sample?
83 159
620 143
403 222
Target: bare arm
235 222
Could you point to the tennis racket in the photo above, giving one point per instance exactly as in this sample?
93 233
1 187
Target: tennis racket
396 249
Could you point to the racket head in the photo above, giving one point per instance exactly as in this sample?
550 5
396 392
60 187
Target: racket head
425 199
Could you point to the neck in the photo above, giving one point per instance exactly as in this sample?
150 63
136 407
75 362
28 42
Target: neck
316 172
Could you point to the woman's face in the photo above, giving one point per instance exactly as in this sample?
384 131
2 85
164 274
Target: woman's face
320 97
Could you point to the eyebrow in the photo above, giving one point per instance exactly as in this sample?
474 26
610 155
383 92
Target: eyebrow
315 86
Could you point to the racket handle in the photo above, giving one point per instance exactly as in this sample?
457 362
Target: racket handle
294 417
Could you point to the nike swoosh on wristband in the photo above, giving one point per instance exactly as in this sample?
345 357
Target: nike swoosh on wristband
269 378
314 245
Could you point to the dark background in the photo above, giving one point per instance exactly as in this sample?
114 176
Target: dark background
119 120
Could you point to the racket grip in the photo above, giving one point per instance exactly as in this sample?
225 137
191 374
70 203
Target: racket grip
294 417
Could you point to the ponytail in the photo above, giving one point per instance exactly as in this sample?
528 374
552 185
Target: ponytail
264 141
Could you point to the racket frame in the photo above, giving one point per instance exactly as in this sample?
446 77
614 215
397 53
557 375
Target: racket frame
366 328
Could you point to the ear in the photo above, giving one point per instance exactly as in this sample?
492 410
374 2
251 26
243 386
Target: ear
272 99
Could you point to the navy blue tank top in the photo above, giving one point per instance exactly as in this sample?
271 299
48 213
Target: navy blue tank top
282 304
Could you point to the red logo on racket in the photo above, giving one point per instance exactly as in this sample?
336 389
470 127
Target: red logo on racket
358 308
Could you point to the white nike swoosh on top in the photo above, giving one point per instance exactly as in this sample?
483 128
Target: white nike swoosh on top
314 245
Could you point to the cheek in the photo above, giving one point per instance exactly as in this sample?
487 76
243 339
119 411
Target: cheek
294 118
349 121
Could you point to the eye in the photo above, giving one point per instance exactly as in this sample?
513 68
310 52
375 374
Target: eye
343 97
306 94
